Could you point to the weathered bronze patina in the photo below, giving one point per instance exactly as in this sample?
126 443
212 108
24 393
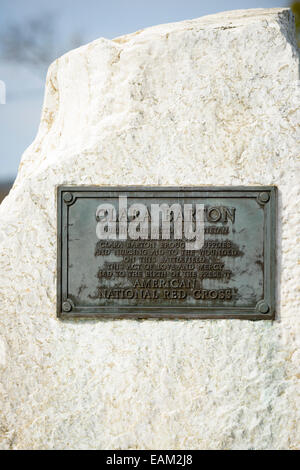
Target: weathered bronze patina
231 276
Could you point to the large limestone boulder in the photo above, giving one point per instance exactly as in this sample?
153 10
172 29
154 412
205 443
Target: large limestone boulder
208 101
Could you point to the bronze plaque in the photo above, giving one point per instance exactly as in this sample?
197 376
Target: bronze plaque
185 252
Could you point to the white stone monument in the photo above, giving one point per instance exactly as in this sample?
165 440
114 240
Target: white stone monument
211 101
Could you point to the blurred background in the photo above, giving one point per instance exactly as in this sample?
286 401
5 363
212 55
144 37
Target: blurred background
35 32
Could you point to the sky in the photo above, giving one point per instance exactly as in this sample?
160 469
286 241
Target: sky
76 22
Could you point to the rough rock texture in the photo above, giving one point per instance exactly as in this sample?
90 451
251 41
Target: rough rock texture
209 101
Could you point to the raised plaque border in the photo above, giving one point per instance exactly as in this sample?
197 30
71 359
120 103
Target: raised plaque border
265 196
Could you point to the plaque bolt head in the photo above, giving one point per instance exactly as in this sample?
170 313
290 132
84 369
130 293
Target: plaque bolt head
263 307
263 197
68 197
66 306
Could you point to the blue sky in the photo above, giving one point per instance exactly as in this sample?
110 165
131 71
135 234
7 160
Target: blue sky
87 19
